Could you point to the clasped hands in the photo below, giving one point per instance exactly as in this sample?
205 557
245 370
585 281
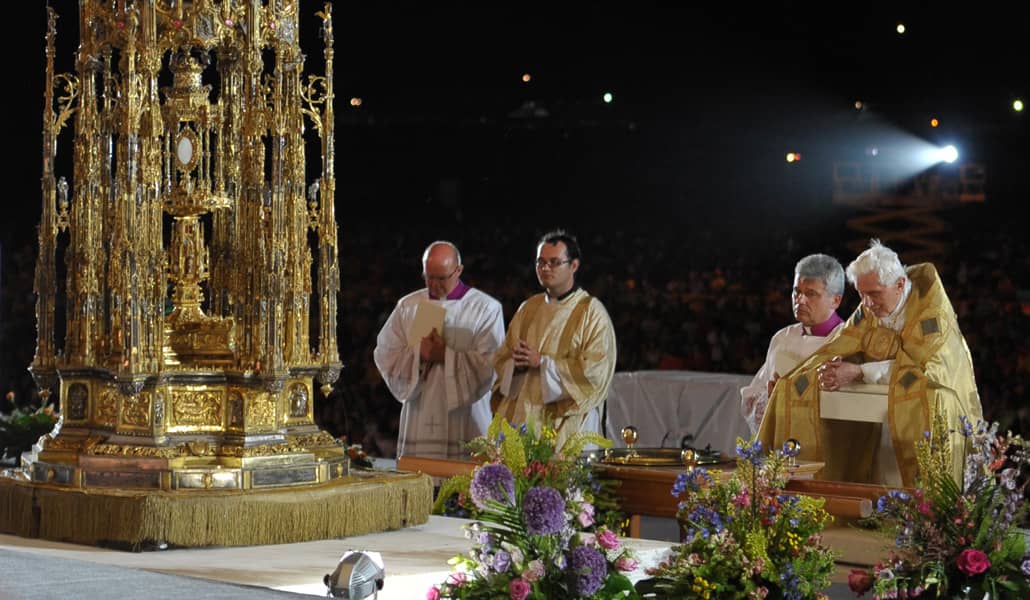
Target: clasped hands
432 348
835 373
525 357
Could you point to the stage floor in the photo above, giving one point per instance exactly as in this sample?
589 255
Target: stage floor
415 558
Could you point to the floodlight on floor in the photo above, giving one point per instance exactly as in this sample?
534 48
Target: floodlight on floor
359 575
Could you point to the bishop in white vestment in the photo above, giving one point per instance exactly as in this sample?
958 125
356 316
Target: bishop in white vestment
818 289
444 382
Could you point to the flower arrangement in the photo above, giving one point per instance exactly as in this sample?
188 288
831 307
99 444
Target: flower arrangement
744 537
953 540
23 427
536 535
357 455
547 465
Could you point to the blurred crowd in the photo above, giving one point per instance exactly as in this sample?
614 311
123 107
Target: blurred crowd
679 300
681 297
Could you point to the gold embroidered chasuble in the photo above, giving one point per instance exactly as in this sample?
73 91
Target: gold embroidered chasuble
932 370
577 334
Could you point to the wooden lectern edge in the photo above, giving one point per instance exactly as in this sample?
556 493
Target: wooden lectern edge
841 488
847 507
435 467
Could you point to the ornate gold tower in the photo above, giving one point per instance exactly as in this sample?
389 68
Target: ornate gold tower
200 297
197 294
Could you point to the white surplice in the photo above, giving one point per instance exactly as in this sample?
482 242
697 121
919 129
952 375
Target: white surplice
444 404
788 347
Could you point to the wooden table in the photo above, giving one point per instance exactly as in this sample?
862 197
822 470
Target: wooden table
435 467
647 491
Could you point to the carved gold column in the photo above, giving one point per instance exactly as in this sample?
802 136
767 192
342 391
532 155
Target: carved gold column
191 234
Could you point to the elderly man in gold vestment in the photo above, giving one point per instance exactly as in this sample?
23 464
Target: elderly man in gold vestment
904 334
558 357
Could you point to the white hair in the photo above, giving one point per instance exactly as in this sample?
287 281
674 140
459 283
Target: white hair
877 259
425 254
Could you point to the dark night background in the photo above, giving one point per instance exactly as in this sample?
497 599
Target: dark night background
689 216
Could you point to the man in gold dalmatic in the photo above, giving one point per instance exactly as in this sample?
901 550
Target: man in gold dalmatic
904 334
558 357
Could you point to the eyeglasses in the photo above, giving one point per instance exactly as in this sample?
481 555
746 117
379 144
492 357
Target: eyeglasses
440 278
554 263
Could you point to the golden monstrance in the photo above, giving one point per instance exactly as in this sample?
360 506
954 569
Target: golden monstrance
198 299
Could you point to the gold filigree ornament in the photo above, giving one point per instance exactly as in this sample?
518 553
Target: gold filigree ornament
199 301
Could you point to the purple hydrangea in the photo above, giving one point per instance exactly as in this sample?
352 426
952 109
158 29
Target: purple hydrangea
493 482
544 511
587 568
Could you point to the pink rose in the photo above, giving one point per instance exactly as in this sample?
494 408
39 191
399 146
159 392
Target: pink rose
534 570
518 589
457 579
626 564
860 581
608 540
433 593
972 562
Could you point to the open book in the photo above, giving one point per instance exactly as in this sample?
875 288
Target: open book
428 316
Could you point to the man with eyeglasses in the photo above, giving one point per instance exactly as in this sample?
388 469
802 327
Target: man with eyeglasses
818 289
558 357
443 383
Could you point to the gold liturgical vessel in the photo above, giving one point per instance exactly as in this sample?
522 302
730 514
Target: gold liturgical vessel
198 302
634 455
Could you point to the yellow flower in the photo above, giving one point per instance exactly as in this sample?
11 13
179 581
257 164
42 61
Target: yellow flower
793 540
513 454
756 544
702 587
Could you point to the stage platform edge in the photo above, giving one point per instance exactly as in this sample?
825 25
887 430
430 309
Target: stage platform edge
367 501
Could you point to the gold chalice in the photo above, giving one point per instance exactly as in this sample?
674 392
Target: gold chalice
688 456
630 436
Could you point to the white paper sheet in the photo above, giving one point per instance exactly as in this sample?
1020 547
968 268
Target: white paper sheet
428 316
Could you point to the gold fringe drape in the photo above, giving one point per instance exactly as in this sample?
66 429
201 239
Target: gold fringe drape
348 507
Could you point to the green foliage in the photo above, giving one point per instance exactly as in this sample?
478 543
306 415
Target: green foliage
531 453
459 484
744 536
512 557
958 538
